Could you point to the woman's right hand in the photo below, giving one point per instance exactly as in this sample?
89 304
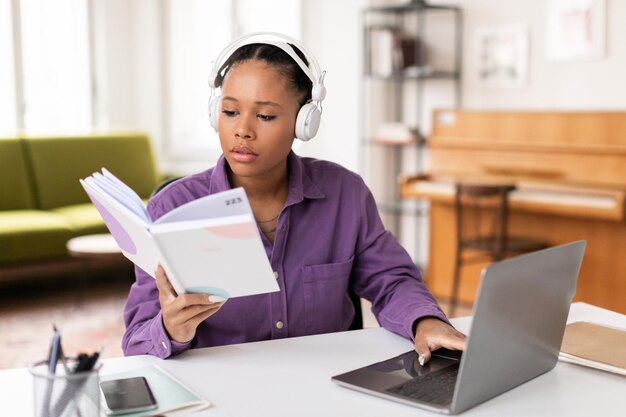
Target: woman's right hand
183 313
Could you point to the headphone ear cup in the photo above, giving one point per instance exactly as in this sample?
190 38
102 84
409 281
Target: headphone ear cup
214 112
307 122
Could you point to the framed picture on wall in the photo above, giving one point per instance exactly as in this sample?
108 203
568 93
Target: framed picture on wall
502 56
575 29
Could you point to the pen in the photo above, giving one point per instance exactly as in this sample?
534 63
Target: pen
53 358
53 354
95 356
73 388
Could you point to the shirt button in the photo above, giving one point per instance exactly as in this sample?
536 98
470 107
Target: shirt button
275 274
164 345
279 324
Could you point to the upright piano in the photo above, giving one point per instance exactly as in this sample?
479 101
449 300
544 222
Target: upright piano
569 169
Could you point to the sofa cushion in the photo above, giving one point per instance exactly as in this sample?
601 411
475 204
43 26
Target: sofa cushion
82 219
16 188
59 162
32 234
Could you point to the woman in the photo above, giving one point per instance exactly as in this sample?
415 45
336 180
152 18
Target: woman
318 222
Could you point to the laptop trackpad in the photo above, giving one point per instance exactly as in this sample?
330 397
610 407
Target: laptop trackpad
402 368
406 366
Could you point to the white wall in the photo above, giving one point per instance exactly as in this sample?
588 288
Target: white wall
331 29
128 67
584 85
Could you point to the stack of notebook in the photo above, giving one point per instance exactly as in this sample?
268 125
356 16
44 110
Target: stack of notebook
596 346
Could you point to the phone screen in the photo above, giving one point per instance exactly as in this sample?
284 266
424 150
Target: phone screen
127 395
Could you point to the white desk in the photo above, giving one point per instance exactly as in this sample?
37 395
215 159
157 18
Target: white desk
291 377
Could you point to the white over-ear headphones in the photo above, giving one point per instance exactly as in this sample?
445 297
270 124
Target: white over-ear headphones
308 119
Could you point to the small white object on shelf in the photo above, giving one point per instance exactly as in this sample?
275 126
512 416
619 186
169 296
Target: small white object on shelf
395 133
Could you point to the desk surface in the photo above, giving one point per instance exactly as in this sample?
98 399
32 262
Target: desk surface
292 377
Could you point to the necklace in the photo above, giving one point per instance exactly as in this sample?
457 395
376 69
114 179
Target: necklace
267 221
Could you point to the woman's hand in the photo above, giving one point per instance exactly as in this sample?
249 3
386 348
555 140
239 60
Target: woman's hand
182 313
432 334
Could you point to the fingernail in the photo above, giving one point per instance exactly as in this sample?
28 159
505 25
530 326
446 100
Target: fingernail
421 359
216 299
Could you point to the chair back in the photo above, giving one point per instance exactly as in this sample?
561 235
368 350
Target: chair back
481 212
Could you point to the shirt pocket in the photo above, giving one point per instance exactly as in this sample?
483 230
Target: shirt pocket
327 306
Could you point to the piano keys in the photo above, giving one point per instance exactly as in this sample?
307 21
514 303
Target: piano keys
539 198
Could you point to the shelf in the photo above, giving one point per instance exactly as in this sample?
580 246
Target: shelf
401 61
370 142
411 7
401 207
436 75
373 142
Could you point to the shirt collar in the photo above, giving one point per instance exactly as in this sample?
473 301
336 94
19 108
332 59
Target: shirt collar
301 185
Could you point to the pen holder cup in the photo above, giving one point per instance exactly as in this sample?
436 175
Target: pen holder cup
65 394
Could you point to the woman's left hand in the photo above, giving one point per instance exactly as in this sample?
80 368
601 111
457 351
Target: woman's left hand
432 334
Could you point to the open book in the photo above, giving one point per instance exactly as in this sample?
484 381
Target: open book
209 245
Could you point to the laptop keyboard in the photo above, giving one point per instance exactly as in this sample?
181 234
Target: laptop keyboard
435 388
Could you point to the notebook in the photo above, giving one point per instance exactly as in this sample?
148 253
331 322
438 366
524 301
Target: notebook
595 346
171 395
518 322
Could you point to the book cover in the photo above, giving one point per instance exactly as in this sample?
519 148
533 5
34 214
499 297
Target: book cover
595 346
200 244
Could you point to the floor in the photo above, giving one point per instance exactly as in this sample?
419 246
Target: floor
87 316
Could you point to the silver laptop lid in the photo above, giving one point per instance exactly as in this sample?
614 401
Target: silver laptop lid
518 322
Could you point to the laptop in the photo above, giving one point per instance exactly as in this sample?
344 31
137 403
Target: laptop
518 323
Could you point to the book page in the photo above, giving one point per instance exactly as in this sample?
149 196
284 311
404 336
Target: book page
128 229
125 189
98 181
226 203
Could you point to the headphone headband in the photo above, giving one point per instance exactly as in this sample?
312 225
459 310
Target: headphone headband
316 78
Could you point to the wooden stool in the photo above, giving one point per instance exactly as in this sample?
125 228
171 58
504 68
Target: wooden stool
481 213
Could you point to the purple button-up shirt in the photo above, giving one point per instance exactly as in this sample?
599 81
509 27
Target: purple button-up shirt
329 238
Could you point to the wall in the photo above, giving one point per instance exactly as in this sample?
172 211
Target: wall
332 30
584 85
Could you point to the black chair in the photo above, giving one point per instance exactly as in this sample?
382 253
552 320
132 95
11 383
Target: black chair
163 184
481 214
357 322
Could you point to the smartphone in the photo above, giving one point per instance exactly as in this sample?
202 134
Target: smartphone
127 395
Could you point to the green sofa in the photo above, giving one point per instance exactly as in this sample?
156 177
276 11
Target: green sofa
42 204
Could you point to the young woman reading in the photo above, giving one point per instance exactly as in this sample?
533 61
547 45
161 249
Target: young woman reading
318 222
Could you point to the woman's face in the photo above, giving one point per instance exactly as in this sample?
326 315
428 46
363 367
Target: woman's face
257 120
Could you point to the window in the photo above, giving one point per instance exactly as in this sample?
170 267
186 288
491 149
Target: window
195 32
56 73
46 46
8 101
47 49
